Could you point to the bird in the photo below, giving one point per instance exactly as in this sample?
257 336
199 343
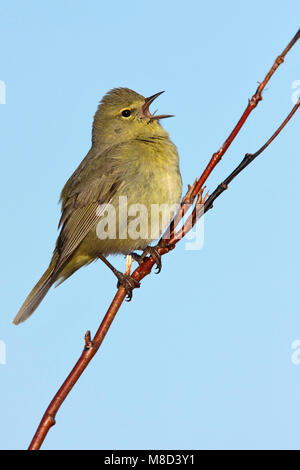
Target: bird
132 164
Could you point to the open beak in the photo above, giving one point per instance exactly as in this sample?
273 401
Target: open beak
145 113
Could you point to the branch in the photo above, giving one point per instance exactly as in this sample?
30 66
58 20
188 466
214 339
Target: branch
249 157
256 98
202 205
208 203
217 156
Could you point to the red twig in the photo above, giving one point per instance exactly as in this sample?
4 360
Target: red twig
249 157
217 156
215 159
90 349
256 98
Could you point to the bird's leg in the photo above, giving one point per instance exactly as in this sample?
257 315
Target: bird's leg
124 280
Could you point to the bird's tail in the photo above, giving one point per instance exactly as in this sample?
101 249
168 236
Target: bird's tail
38 293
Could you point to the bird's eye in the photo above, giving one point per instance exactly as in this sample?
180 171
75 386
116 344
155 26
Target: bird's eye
126 113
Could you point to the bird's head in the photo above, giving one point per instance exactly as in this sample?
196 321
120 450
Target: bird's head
123 115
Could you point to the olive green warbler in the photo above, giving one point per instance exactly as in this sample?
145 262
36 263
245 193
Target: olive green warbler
108 203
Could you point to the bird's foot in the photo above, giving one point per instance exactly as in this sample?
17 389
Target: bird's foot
152 251
128 282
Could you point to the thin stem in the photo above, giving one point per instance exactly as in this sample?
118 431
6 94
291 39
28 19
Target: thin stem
217 156
90 349
256 98
208 204
246 161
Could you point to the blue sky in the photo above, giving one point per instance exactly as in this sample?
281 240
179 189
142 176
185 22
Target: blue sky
202 356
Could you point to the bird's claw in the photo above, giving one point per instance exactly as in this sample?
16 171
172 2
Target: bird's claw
128 282
152 251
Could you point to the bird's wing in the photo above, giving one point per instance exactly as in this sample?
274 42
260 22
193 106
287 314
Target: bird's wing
92 185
